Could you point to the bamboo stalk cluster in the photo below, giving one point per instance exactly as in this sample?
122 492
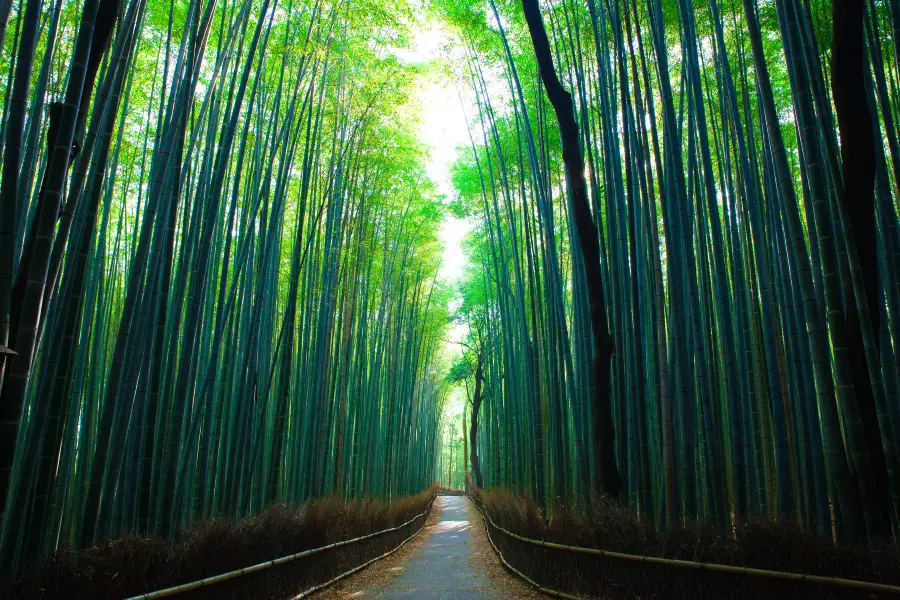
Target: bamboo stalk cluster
222 292
754 371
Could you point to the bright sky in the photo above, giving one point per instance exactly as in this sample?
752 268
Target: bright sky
443 129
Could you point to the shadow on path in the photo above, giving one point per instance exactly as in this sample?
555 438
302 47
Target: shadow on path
450 560
442 568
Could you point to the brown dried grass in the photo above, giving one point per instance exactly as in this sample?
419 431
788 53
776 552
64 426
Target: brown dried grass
135 565
763 544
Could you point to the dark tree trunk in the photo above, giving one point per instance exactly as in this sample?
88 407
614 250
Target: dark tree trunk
601 421
107 16
848 85
473 427
18 290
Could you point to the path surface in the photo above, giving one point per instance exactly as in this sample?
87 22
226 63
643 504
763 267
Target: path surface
449 560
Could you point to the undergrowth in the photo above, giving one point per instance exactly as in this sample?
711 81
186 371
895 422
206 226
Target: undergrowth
134 565
763 544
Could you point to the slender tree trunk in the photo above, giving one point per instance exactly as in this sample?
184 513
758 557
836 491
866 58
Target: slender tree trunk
849 71
11 411
473 428
609 480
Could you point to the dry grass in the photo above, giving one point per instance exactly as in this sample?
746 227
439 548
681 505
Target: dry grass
775 545
382 573
133 565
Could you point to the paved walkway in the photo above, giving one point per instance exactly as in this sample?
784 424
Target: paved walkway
442 568
449 560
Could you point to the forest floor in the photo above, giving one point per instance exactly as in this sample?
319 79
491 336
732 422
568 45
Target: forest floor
451 559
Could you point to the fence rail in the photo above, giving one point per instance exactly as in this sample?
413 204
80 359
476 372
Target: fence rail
868 586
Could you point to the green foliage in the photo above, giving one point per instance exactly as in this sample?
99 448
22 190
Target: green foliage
248 310
731 373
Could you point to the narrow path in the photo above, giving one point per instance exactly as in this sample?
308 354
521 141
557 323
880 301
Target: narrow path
451 559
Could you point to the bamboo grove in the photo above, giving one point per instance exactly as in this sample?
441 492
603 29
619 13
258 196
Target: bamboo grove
219 265
750 275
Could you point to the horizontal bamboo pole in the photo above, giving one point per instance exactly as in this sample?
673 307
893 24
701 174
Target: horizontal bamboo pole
540 588
322 586
689 564
194 585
